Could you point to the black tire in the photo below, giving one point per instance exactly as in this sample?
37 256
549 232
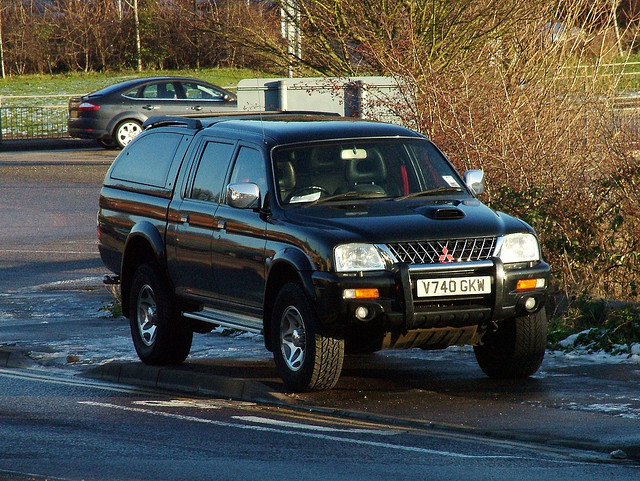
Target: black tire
158 335
307 359
516 349
107 144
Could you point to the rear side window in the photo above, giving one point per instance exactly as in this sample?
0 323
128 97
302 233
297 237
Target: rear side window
161 90
147 159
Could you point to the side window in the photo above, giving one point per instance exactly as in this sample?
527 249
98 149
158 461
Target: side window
164 90
249 167
212 171
147 159
198 91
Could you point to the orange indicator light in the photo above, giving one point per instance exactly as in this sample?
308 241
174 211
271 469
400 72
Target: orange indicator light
529 284
361 294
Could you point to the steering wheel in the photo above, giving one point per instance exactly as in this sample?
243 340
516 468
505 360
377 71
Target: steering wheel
306 190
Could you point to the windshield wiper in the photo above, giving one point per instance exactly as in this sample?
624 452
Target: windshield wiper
436 191
351 195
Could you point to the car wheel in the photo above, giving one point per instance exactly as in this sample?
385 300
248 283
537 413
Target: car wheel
158 336
515 349
126 131
307 358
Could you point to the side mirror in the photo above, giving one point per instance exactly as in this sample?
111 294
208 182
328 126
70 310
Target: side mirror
475 181
245 195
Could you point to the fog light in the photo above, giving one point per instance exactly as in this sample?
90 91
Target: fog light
530 304
530 284
362 313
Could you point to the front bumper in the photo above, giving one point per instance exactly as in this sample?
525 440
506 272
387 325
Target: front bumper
399 309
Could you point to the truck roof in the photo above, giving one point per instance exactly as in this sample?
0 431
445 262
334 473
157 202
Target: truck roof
288 127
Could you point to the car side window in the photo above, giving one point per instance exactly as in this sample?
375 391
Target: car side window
196 91
211 172
162 90
249 167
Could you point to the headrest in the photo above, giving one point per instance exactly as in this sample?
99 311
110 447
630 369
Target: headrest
286 175
371 169
323 159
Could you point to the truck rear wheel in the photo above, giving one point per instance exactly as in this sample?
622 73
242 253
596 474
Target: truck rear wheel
157 334
516 349
307 358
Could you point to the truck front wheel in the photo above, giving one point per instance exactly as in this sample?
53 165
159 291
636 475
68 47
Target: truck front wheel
515 349
157 334
307 358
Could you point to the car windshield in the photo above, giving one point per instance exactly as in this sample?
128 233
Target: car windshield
362 169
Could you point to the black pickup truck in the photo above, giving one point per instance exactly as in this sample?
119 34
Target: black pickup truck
325 234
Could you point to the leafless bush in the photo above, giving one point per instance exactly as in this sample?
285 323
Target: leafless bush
502 85
551 143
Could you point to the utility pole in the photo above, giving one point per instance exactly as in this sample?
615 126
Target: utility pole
136 20
290 29
196 33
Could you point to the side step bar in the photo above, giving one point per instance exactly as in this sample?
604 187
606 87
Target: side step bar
227 319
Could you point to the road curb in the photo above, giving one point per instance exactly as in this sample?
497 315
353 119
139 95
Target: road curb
23 145
171 379
15 358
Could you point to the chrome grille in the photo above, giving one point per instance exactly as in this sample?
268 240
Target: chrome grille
445 251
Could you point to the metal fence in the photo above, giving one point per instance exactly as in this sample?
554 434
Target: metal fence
27 118
23 118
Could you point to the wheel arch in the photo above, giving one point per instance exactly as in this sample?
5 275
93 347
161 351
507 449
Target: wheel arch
144 245
121 117
290 267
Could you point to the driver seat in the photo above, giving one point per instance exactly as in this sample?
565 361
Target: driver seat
286 175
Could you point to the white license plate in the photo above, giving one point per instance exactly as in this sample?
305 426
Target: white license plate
454 286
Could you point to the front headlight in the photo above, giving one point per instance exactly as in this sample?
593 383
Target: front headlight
519 248
358 257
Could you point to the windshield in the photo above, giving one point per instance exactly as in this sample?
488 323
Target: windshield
362 169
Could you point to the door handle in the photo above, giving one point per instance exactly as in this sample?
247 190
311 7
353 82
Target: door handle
184 218
220 224
197 107
149 107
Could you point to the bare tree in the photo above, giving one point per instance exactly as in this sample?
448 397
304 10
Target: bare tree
519 88
2 69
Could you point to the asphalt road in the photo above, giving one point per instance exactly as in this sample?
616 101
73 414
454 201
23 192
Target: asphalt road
71 429
48 205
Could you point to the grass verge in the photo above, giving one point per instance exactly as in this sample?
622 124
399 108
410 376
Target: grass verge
66 85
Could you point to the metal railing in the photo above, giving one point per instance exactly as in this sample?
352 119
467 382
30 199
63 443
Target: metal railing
23 117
